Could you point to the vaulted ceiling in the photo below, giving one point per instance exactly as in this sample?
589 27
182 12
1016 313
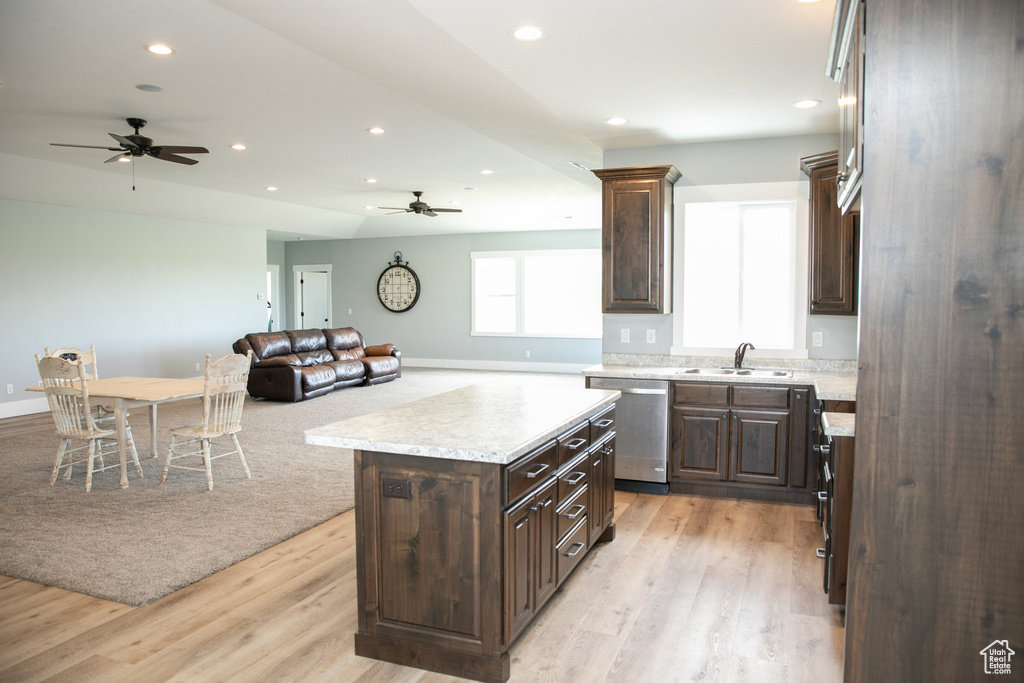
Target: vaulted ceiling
301 82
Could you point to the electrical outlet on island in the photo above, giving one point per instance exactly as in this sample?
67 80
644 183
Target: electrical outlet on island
650 336
624 335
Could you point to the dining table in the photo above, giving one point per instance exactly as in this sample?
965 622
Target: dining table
134 392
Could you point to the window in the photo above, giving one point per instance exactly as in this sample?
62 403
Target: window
537 293
739 276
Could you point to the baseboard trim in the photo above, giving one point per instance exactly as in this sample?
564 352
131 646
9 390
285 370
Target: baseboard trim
29 406
507 366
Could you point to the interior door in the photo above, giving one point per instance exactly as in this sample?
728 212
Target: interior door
314 300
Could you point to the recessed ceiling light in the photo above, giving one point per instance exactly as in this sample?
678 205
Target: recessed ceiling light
616 121
806 104
271 188
369 207
576 164
239 146
469 188
486 171
145 87
124 160
377 130
371 180
527 33
454 201
159 49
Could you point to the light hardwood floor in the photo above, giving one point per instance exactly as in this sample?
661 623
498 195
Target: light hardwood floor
692 589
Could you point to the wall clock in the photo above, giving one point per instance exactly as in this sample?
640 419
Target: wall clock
398 288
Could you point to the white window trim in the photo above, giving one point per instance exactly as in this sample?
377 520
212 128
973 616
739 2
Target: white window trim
798 191
517 254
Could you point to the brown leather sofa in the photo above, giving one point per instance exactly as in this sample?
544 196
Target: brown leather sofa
300 364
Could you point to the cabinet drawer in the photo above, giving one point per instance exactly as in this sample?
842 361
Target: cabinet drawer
573 442
572 549
573 477
760 397
572 511
602 423
694 393
530 471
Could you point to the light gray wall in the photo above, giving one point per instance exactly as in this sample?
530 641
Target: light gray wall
153 295
729 162
438 327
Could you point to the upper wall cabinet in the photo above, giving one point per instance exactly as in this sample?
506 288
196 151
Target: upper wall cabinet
637 239
834 241
846 67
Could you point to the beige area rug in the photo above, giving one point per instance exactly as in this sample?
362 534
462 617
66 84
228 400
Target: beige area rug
135 545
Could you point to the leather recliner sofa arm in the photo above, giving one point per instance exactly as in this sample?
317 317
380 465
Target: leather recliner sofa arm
280 383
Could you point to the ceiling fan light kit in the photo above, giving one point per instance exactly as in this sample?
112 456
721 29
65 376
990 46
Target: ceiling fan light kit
418 206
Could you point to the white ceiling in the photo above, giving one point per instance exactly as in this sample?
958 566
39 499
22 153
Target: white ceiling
300 82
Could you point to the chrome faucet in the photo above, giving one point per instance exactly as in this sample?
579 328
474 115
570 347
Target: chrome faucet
741 350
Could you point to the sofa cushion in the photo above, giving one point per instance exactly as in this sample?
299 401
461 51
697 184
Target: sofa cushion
317 377
380 366
346 371
348 354
277 361
343 338
318 357
266 344
306 340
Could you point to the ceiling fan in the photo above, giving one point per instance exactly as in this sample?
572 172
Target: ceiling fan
418 206
136 145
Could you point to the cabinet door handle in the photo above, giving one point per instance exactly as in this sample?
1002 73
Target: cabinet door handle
820 552
607 450
545 503
826 474
579 511
575 443
579 547
823 496
601 424
533 474
575 478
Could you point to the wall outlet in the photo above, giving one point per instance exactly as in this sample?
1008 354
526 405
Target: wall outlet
10 388
650 336
397 488
624 334
350 311
816 338
197 366
527 354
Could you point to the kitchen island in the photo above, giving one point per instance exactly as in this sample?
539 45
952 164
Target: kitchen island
472 508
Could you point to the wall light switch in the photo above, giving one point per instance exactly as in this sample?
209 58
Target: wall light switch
624 334
197 366
527 354
10 388
350 311
650 336
816 338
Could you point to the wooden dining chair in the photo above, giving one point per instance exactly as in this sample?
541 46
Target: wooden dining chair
223 397
104 413
66 384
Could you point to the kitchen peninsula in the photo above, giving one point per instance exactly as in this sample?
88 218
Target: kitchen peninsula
472 508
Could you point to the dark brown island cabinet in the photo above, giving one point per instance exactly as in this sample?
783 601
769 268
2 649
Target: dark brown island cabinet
740 440
636 238
456 557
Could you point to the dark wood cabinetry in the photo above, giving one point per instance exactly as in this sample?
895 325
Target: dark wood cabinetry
846 67
738 440
637 239
834 238
456 558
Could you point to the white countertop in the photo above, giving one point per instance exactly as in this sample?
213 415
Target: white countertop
478 423
839 424
828 386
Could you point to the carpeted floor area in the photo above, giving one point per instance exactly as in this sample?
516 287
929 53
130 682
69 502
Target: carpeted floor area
135 545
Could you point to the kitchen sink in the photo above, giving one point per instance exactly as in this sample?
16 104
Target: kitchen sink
742 372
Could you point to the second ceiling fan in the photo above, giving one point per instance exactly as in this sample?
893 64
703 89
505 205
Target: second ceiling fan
419 206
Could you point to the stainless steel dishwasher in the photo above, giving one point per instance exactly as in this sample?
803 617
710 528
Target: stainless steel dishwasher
641 426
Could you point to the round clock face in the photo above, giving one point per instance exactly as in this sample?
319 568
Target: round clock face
398 288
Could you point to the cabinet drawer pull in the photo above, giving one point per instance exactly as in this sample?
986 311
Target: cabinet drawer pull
601 424
823 496
546 503
575 443
533 474
826 473
575 478
579 511
579 547
820 552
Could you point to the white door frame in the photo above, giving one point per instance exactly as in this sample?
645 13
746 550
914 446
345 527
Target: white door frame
297 271
274 296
